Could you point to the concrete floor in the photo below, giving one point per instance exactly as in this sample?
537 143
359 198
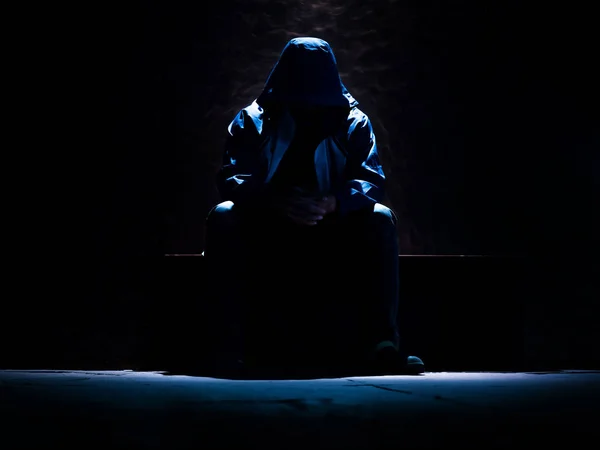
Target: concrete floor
68 409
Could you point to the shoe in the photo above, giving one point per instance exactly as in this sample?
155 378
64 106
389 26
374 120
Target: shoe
389 361
414 365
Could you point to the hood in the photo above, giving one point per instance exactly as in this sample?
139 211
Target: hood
306 73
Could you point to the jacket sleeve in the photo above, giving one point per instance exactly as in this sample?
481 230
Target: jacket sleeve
364 179
240 178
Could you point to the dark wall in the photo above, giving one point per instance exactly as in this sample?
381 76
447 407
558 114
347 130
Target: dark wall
482 111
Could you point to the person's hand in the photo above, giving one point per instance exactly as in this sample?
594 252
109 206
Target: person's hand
304 208
329 203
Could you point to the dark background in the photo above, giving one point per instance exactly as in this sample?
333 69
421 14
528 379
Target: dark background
484 114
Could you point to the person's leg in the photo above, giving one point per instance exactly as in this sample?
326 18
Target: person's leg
383 247
248 257
371 243
228 252
372 240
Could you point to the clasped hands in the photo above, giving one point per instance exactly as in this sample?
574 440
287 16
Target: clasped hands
306 208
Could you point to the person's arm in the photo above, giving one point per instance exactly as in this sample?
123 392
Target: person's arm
364 176
241 176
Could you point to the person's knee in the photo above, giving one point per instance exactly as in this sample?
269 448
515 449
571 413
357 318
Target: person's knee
222 215
383 218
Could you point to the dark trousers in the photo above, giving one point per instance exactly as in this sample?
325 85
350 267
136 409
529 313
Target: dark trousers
337 280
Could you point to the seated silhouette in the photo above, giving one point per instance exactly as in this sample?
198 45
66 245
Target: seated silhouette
303 254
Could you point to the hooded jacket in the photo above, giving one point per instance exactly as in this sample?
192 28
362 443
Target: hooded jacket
346 159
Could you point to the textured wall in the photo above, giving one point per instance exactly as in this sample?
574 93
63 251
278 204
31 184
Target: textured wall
479 109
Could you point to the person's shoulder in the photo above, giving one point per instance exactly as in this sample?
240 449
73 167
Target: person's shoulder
358 118
251 114
252 110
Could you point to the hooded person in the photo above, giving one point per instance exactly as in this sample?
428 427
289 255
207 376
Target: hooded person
301 185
